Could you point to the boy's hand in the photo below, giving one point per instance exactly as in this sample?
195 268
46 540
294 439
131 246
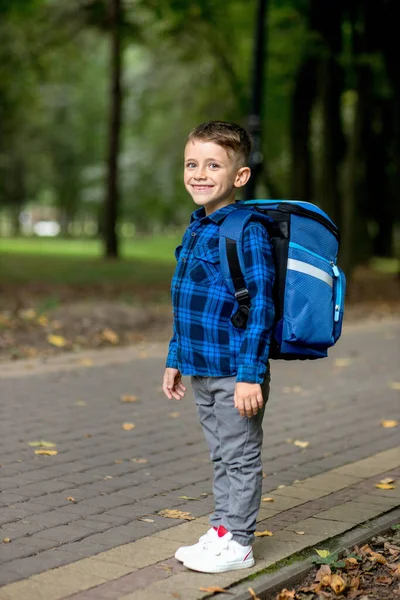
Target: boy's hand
172 384
248 399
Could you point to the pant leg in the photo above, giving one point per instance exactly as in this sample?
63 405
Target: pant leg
240 448
205 410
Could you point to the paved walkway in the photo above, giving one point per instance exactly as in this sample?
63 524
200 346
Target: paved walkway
84 523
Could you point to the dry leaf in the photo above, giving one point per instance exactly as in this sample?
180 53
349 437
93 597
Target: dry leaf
6 540
85 362
385 486
388 424
253 594
301 444
174 415
268 499
354 583
42 444
395 385
175 514
280 487
377 557
118 462
342 362
351 563
214 589
70 498
80 403
145 520
264 475
110 336
47 452
387 480
128 398
300 532
128 426
265 533
323 571
57 340
43 321
188 498
286 595
28 314
139 460
337 584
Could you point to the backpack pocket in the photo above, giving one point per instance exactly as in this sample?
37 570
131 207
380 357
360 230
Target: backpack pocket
313 301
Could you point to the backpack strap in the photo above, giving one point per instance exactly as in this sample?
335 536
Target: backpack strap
231 259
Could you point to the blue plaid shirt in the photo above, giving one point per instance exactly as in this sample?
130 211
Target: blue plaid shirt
205 343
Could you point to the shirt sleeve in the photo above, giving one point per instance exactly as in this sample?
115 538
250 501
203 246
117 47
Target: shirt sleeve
172 357
259 275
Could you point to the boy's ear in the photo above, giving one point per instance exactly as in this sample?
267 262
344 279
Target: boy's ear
242 176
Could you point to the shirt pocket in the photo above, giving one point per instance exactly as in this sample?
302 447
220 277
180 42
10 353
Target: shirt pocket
205 265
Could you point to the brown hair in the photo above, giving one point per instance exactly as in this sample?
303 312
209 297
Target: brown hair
230 136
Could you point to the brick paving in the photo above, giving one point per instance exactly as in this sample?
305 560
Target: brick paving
118 477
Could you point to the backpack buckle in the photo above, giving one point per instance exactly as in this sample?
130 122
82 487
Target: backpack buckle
241 295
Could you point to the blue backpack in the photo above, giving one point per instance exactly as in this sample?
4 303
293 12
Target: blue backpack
309 287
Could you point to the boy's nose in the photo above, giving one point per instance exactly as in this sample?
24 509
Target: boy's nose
200 174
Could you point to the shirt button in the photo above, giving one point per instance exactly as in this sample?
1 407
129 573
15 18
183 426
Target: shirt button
193 234
183 259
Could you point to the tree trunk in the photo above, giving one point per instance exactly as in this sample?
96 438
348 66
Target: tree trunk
112 198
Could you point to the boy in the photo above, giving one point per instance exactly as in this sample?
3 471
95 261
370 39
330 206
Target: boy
229 366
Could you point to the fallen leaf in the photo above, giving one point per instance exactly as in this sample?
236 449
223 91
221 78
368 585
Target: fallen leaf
387 480
118 462
108 477
85 362
174 415
377 557
265 533
6 540
385 486
337 584
164 568
286 595
128 426
70 498
253 594
395 385
301 444
80 403
187 498
351 563
322 572
110 336
214 589
354 583
383 580
27 314
47 452
42 444
323 553
176 514
139 460
342 362
145 520
388 424
280 487
268 499
56 340
128 398
264 475
300 532
43 321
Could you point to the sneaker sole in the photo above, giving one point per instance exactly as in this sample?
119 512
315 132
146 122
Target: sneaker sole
221 569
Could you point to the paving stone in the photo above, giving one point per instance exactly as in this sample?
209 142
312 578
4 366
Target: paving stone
350 512
319 527
329 482
141 553
33 591
300 493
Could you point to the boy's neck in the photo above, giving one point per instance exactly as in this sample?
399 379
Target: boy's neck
227 203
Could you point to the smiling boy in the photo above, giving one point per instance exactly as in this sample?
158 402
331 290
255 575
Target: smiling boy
228 366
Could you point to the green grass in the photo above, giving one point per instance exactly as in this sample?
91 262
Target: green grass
79 262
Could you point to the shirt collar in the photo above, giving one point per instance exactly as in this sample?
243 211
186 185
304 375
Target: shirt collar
216 216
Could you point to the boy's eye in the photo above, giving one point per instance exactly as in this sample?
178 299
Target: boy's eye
190 165
213 166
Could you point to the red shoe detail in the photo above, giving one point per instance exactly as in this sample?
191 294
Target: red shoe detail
215 528
222 531
249 552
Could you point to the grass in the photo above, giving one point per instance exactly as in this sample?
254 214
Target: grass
80 262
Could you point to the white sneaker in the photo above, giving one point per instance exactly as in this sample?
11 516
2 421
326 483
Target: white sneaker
224 554
185 552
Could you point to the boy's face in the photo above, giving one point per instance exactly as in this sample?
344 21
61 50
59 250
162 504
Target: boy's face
211 176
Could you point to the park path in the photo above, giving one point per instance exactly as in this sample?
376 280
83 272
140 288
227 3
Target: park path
104 488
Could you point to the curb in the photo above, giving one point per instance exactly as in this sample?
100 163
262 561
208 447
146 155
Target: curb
267 585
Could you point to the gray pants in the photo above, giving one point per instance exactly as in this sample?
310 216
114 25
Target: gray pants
235 450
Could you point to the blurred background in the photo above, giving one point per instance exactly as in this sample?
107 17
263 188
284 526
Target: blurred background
96 99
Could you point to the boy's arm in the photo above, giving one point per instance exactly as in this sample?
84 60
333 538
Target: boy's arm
259 274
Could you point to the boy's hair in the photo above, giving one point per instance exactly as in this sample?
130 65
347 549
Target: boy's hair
232 137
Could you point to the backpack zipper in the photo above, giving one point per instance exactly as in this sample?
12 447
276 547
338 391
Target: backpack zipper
336 273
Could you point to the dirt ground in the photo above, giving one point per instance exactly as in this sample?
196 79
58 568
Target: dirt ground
371 572
41 320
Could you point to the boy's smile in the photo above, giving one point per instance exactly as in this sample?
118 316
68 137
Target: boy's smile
211 176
